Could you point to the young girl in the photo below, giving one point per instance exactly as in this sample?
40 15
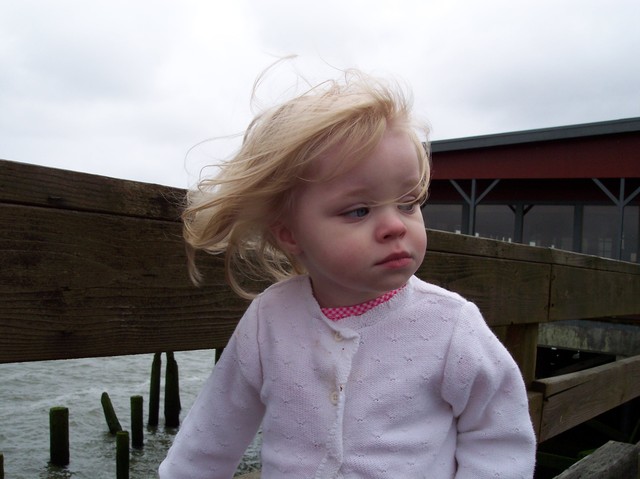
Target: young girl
354 367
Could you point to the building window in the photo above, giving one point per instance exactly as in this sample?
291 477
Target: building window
443 217
549 226
601 229
495 222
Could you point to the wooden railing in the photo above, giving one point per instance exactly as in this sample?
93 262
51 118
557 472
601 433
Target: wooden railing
92 266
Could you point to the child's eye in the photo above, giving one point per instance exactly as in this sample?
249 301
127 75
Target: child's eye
357 213
408 207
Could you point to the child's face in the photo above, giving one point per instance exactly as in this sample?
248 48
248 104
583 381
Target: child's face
361 233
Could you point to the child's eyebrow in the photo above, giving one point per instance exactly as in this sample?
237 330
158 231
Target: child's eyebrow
367 193
355 192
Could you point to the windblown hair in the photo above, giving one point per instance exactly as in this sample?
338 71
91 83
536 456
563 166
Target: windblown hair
233 212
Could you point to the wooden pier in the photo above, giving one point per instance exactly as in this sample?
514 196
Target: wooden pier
93 266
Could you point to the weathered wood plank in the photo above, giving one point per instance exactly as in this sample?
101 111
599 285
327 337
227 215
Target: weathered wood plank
34 185
507 292
536 400
614 460
578 260
442 241
84 284
584 293
608 337
574 398
522 342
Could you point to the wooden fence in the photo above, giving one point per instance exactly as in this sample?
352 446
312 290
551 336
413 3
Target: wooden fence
92 266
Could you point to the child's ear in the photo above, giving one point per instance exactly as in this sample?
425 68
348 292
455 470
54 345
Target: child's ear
285 238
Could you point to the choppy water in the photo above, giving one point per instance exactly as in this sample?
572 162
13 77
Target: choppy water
29 390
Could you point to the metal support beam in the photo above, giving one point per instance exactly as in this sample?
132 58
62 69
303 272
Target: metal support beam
620 202
472 201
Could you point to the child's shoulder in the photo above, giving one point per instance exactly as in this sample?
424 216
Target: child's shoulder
296 285
293 295
432 292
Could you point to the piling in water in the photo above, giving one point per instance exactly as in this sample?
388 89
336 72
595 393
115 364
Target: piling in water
122 455
1 466
171 393
218 352
154 389
59 435
110 414
137 435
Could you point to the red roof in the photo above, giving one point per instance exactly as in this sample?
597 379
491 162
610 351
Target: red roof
596 150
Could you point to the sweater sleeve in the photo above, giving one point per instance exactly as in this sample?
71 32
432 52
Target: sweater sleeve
488 397
225 416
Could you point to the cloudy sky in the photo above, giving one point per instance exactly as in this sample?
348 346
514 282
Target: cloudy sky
125 88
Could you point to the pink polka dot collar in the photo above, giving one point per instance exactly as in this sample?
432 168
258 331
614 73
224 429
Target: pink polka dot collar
341 312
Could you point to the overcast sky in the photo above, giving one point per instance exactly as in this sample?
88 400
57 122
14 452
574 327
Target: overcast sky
125 88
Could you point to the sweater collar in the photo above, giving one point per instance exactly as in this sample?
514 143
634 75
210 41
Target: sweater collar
341 312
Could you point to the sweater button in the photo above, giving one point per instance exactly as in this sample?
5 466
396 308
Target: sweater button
338 336
334 398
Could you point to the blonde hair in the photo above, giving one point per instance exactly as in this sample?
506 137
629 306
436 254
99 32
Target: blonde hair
234 211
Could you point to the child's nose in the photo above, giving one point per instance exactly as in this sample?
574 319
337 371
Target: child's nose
390 224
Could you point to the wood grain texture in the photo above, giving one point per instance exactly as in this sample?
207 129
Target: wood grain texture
613 460
573 398
506 291
33 185
585 293
78 284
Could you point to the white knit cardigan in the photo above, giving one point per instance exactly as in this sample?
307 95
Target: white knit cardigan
417 387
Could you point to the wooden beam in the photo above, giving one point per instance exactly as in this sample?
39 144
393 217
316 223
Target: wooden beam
573 398
77 284
535 410
506 291
609 337
614 460
33 185
522 342
584 293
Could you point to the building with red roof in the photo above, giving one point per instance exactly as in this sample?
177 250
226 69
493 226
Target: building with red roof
573 187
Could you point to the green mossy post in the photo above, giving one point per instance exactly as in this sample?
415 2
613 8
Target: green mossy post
171 393
110 414
154 390
59 435
137 435
122 455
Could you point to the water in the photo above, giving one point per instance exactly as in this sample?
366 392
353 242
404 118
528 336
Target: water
29 390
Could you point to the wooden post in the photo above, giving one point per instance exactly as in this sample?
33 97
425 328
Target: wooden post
171 393
521 340
122 455
137 436
59 435
154 390
1 466
110 414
